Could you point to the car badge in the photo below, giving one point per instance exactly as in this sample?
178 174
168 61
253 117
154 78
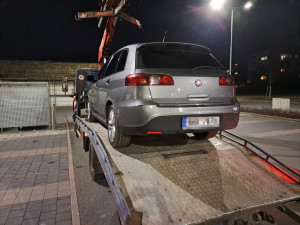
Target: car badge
198 83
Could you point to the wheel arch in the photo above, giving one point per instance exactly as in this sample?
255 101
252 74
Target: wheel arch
108 104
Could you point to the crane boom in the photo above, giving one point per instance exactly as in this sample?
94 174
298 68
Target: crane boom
108 15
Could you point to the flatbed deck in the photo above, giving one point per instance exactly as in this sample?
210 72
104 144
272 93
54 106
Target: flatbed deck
177 179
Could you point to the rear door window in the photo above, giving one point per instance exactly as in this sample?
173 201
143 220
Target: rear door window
102 71
112 66
122 61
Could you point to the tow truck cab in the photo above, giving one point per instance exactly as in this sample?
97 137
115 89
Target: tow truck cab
83 80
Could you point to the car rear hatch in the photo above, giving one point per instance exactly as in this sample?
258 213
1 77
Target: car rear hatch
195 72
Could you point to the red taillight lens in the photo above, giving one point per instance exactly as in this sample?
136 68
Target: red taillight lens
226 81
148 79
167 80
136 80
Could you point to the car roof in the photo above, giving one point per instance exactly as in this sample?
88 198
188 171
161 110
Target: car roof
138 45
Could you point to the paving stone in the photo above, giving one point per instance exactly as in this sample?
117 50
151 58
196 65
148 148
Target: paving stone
9 196
47 222
27 184
48 215
64 202
4 210
65 222
36 197
14 221
34 221
2 219
37 202
63 208
16 213
19 206
36 207
7 202
21 200
63 216
49 208
32 214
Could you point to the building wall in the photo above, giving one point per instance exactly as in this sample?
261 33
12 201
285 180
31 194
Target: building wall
273 64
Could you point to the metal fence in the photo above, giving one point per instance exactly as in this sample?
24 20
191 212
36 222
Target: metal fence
24 104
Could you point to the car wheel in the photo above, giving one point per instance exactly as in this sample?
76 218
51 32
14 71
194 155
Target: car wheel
116 137
90 116
96 171
205 135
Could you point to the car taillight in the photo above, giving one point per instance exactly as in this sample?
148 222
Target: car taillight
226 81
136 79
148 79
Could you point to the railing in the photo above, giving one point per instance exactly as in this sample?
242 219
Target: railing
275 163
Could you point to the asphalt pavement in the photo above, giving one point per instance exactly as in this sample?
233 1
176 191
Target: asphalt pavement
280 137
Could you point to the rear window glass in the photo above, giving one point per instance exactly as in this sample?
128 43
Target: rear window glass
174 56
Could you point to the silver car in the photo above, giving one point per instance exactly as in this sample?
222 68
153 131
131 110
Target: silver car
163 88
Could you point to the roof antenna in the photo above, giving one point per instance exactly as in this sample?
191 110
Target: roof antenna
165 36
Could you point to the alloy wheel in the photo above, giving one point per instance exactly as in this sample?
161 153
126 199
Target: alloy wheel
111 126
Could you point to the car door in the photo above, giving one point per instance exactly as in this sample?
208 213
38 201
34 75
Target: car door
95 90
104 85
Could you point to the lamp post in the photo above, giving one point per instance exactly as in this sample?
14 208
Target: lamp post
231 32
217 5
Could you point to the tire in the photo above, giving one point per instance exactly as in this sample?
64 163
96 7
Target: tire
96 171
115 136
90 116
205 135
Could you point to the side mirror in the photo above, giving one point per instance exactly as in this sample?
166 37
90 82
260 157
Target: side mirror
65 84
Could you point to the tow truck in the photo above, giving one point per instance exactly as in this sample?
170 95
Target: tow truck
177 179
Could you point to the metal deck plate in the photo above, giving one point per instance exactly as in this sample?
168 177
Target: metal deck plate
177 179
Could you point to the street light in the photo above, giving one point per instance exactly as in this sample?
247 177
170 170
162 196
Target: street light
248 5
217 5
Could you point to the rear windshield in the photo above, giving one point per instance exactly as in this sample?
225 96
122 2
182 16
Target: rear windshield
174 56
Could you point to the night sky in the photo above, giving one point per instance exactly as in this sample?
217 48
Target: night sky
46 30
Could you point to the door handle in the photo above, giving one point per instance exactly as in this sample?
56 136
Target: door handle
107 82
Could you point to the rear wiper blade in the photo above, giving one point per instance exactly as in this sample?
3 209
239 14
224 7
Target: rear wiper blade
205 67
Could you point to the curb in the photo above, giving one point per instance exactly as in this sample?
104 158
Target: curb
268 116
74 203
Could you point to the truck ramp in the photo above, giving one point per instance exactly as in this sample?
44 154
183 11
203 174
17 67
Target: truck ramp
177 179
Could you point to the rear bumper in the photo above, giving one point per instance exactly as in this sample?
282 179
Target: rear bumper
140 119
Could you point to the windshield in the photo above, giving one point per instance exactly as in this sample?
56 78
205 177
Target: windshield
175 56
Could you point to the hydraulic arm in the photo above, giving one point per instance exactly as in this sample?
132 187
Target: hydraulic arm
110 11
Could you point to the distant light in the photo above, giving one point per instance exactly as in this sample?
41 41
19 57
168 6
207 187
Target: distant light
282 70
217 4
248 5
236 73
263 77
263 58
